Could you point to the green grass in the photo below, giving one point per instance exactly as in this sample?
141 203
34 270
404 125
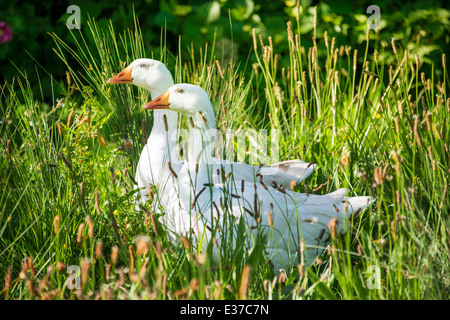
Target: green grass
67 171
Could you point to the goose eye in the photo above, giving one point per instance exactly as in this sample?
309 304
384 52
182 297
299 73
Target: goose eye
143 66
180 91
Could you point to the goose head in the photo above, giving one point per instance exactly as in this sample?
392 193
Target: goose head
149 74
187 99
193 102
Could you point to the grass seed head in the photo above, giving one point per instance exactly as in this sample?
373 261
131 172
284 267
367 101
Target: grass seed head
144 132
201 258
80 232
70 118
171 170
7 282
114 254
332 226
142 245
131 251
90 227
31 287
255 43
60 266
293 184
400 106
100 139
378 176
66 162
194 284
393 45
8 146
56 222
218 290
428 120
98 250
59 128
344 161
85 265
269 218
430 153
397 162
97 205
417 133
243 286
355 58
315 18
166 125
282 278
444 195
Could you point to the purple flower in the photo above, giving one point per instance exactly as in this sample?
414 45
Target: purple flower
5 32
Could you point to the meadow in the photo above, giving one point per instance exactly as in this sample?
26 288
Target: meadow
371 120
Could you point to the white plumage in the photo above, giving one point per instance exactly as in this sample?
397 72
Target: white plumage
152 168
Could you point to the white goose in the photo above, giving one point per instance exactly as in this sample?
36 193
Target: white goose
286 218
161 145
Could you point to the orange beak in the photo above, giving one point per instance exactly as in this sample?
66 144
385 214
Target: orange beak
123 76
162 102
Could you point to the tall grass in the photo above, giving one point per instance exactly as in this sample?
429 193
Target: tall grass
67 196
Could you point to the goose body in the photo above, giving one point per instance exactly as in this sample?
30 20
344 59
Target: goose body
295 225
153 167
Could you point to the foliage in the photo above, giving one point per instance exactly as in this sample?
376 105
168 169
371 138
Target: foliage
420 27
373 121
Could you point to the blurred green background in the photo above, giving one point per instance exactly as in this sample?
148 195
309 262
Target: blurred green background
422 27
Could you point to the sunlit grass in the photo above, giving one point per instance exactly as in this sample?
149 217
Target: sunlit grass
67 170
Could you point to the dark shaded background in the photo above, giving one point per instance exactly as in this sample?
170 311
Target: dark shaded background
423 27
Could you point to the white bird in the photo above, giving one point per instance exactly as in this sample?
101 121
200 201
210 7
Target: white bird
295 225
152 168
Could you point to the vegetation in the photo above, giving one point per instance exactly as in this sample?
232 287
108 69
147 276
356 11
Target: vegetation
372 118
418 26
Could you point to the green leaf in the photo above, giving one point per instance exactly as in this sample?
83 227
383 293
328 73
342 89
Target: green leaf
182 10
207 13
